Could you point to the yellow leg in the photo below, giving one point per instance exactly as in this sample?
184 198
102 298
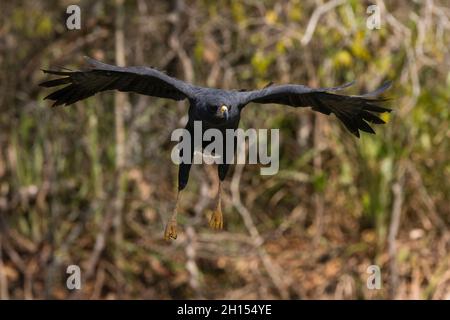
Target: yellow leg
216 220
171 226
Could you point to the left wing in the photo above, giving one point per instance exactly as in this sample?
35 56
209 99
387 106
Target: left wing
353 111
102 77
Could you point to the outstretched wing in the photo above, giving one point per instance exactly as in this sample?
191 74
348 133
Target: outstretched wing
101 77
354 111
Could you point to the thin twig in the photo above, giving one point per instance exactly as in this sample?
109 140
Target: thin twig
312 24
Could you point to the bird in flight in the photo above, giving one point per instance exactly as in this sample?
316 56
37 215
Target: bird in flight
215 108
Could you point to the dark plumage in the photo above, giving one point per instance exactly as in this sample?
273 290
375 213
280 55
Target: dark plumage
216 108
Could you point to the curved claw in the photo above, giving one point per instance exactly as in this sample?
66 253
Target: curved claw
216 220
171 230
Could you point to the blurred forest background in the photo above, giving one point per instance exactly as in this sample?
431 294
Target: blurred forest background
93 184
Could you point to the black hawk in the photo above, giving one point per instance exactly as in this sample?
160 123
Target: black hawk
215 108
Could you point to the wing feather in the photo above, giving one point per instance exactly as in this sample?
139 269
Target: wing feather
353 111
101 77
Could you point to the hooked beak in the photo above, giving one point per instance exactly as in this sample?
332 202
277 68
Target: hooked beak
224 112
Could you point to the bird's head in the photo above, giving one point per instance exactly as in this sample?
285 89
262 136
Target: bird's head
223 112
218 113
216 107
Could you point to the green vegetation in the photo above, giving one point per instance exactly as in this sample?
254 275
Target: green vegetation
338 204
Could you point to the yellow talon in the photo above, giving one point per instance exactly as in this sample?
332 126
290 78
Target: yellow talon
171 230
216 220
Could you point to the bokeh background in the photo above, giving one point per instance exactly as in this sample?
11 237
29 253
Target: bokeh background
92 184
